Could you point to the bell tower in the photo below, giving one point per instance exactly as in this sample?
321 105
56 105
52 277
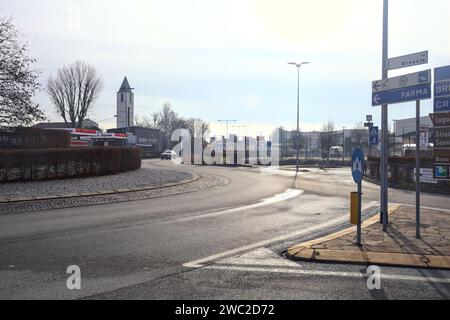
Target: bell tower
125 105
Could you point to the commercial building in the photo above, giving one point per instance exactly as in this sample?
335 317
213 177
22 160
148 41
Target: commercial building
149 140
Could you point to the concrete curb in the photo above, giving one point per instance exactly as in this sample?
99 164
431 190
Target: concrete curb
99 193
304 252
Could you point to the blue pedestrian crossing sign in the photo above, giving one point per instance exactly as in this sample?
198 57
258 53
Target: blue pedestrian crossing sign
373 136
357 165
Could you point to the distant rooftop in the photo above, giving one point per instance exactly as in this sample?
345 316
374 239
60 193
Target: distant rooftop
87 124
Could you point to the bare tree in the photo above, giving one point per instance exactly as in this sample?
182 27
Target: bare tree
74 91
328 138
197 127
18 83
360 136
147 122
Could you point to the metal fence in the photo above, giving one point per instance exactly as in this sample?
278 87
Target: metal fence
401 175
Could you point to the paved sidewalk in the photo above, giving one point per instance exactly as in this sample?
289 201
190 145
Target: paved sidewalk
398 246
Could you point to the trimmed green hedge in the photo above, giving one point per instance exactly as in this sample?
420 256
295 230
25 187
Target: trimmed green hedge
33 138
47 164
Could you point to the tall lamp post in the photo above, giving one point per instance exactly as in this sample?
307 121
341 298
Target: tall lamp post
227 121
298 65
343 144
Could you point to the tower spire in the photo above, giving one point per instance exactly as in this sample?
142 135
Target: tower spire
125 87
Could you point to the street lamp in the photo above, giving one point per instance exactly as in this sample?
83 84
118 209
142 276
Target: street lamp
298 65
343 144
227 121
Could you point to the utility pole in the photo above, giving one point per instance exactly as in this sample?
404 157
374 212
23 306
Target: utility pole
298 65
239 127
384 123
227 121
343 144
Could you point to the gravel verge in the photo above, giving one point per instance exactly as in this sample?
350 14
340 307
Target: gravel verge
205 182
139 179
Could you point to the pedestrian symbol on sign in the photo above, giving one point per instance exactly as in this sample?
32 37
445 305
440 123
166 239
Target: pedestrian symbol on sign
373 136
358 165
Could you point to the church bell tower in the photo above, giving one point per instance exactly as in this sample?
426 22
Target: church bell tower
125 105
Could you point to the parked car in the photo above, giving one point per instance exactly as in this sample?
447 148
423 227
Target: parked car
168 155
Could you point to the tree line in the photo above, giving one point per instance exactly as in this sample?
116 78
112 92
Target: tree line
73 91
167 120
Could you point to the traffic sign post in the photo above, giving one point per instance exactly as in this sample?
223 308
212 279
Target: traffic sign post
358 175
418 169
409 60
373 136
441 123
410 87
442 89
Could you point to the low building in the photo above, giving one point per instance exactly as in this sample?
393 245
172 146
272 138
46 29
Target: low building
88 135
87 124
149 140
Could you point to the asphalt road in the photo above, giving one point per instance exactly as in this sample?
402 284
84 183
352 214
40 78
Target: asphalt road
224 242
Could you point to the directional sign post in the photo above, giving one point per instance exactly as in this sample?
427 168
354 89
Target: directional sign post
409 87
441 123
409 60
441 119
442 138
373 136
358 175
442 89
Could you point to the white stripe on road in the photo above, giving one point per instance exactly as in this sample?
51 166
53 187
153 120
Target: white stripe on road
329 273
330 223
286 195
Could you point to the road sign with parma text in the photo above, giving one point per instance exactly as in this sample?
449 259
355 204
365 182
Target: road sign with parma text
409 87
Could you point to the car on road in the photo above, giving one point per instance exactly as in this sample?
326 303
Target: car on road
168 155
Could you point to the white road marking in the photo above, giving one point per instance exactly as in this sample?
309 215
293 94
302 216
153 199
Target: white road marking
286 195
199 263
328 273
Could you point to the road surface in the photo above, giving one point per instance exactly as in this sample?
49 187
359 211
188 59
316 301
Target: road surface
225 242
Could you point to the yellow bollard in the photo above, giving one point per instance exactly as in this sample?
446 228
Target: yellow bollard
354 205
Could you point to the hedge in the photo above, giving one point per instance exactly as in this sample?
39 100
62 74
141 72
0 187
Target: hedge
60 163
33 138
131 159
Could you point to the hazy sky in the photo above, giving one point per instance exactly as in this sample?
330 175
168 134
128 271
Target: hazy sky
227 59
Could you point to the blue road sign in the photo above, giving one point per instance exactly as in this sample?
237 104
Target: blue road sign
413 93
442 104
442 73
357 165
442 89
373 136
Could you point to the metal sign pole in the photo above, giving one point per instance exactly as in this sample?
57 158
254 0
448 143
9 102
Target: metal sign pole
384 120
358 226
418 169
